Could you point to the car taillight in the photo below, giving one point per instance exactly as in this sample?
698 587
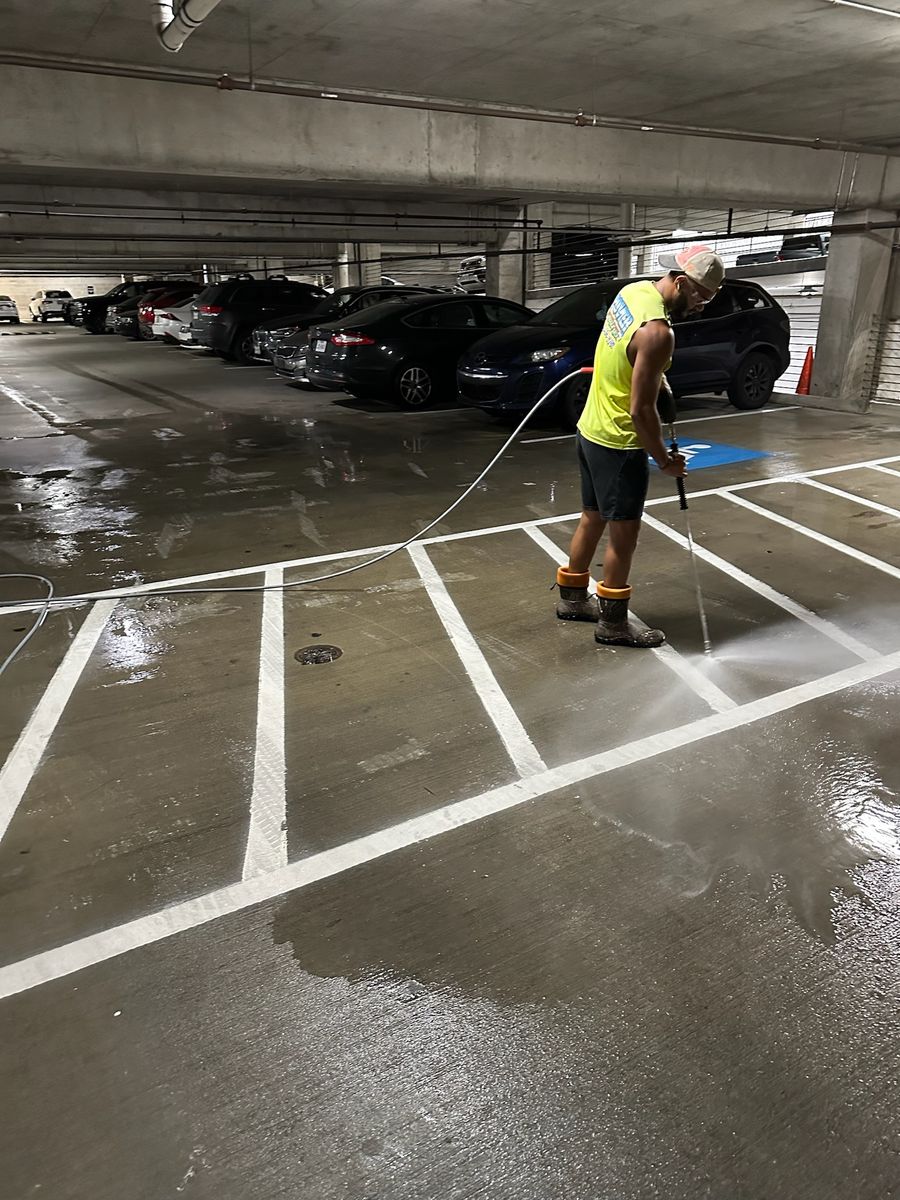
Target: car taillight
209 310
351 339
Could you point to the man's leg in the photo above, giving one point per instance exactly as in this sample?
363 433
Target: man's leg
585 541
623 539
614 592
574 603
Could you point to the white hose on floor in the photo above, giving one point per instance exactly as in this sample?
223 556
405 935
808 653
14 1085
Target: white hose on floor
51 600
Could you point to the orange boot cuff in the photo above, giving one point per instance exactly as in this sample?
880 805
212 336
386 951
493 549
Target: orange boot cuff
613 593
572 579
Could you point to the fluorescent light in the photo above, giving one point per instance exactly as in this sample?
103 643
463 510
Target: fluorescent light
873 8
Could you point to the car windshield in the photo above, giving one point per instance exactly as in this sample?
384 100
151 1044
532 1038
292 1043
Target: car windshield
587 306
4 297
58 295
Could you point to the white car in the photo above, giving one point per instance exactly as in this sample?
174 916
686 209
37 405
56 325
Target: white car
8 310
44 305
174 324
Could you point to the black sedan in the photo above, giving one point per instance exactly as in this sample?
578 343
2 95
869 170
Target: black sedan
270 336
405 350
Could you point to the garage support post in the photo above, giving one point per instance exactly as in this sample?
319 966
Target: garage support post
505 267
853 303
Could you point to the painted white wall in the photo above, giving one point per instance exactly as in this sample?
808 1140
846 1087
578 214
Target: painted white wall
23 287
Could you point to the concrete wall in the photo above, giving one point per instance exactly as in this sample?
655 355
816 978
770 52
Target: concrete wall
23 287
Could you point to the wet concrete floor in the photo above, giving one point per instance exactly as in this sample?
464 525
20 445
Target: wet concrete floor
477 909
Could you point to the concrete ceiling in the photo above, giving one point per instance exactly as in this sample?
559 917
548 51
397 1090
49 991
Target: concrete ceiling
797 67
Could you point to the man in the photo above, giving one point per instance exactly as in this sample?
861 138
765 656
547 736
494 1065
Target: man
618 429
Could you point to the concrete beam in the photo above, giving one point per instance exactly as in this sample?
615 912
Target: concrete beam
51 121
132 212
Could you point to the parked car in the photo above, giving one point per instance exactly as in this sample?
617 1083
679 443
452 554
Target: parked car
172 323
44 305
270 337
91 311
123 319
179 293
9 310
739 344
404 350
472 273
226 314
807 245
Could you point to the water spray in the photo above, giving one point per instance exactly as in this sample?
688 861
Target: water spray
683 505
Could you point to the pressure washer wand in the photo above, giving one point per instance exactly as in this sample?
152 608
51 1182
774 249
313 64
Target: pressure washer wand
683 505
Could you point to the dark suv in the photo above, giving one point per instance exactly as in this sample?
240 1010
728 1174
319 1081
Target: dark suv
225 315
91 311
737 344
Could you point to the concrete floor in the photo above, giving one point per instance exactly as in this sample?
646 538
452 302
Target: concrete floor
477 909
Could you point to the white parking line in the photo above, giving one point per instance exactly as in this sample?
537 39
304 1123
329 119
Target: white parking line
267 836
832 543
886 471
708 691
512 732
768 593
25 756
178 918
862 500
141 589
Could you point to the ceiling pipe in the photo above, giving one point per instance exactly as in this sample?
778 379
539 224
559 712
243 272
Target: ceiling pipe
175 22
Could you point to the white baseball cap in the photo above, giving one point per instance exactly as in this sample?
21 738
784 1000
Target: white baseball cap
699 263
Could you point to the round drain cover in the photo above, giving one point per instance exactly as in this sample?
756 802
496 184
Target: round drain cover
313 655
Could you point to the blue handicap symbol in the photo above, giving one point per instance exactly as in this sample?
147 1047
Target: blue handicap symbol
715 454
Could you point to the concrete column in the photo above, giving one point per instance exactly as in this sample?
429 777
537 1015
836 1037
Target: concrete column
358 264
505 271
342 266
369 260
853 303
626 221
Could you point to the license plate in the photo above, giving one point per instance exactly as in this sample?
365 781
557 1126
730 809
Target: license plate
320 347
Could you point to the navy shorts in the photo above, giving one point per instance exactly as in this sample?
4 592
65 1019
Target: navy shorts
613 482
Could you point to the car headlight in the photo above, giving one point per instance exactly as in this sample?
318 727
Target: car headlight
541 356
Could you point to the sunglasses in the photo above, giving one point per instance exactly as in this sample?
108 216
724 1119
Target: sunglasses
699 293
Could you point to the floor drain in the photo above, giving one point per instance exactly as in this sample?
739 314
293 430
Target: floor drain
313 655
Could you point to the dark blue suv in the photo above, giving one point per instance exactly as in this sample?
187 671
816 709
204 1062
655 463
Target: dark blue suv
738 344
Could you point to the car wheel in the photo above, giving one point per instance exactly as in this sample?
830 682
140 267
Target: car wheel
753 382
242 348
414 386
34 318
43 318
145 332
574 398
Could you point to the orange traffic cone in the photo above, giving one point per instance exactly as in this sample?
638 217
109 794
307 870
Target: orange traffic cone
806 373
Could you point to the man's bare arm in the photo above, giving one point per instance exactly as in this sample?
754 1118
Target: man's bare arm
653 345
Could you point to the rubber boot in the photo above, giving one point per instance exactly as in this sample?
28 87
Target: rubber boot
614 628
574 603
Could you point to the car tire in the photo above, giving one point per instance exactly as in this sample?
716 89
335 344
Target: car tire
241 349
34 319
145 332
414 386
43 318
574 397
754 381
